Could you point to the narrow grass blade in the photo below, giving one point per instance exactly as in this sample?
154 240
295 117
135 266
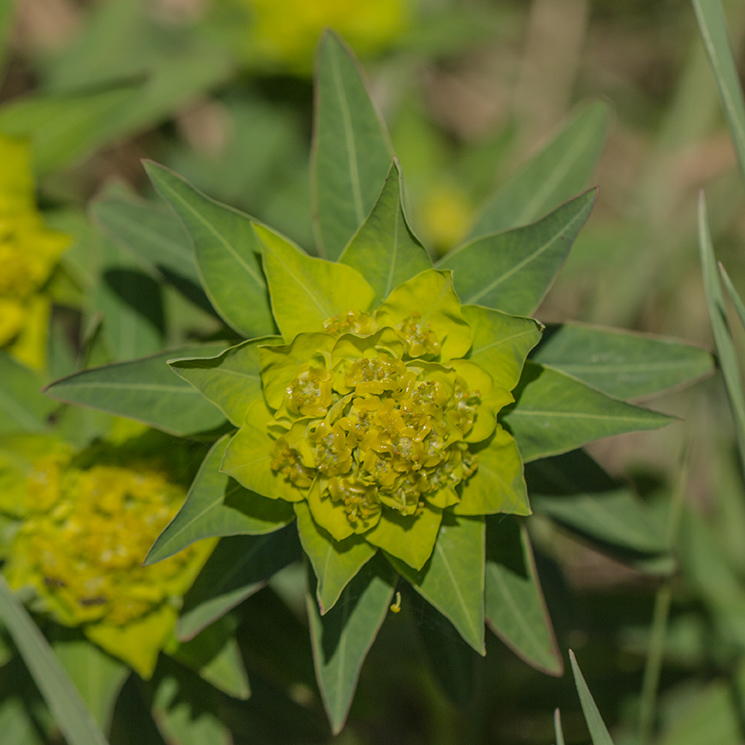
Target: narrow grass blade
68 709
713 27
598 731
557 728
722 336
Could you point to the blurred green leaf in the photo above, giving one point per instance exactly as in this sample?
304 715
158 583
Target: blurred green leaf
351 155
554 413
384 250
515 608
238 567
557 728
214 654
17 724
146 390
23 408
68 708
562 169
512 271
733 294
227 253
711 714
335 563
453 578
230 380
97 676
722 336
708 570
713 27
186 710
342 638
65 127
158 240
218 506
133 716
123 38
576 492
131 304
598 731
621 363
452 659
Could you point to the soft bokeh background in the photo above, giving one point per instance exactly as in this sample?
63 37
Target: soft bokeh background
220 91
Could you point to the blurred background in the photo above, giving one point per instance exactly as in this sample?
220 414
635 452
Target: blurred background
220 91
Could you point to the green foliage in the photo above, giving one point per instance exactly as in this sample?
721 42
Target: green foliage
70 712
308 366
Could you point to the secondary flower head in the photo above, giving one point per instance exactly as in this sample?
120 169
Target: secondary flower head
28 254
287 32
88 523
381 418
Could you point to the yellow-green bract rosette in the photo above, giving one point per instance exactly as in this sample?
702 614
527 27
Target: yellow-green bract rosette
86 521
377 419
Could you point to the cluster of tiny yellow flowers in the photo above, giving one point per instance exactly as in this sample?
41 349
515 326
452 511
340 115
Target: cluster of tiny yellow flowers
381 430
28 254
84 539
288 31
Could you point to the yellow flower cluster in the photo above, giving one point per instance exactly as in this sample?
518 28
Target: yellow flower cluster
385 429
87 532
28 254
287 32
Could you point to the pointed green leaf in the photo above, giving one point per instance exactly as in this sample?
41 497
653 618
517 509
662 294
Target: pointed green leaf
453 579
512 271
621 363
70 713
64 127
231 380
146 390
226 251
554 413
351 155
334 563
23 408
306 291
598 731
157 237
238 567
576 492
214 654
97 675
722 336
342 637
562 169
218 506
384 250
501 342
713 27
515 609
